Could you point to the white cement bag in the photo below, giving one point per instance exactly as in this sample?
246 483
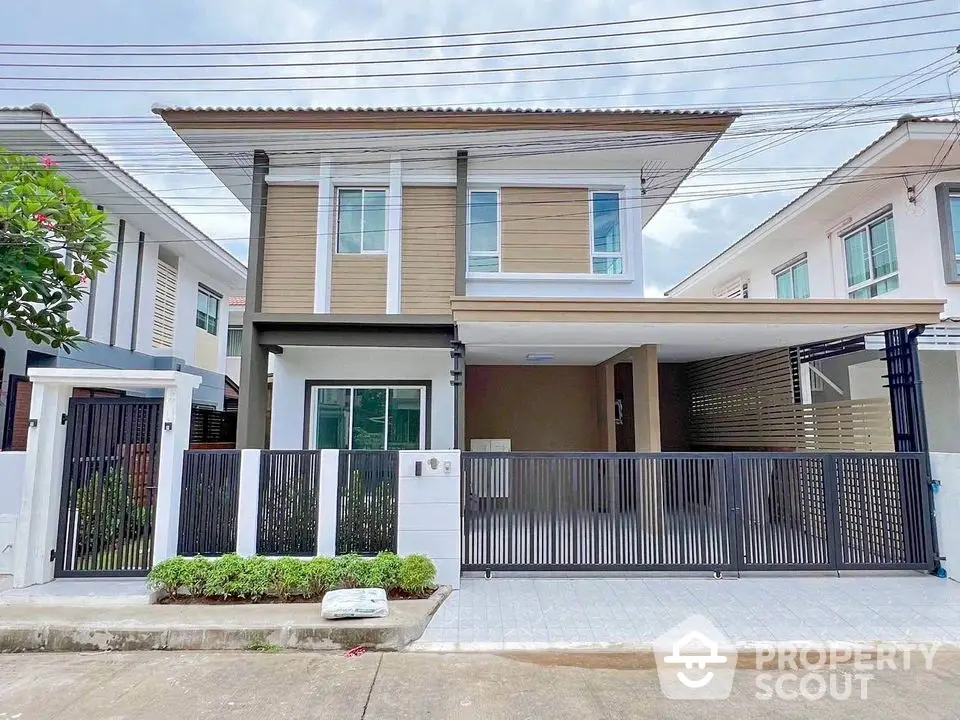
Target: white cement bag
361 603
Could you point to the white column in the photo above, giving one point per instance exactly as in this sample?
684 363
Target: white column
327 512
428 515
394 236
325 239
43 480
174 440
248 502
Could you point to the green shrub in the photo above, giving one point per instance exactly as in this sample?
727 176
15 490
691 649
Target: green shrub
227 577
197 572
256 579
110 513
418 574
171 575
322 574
385 570
288 577
354 571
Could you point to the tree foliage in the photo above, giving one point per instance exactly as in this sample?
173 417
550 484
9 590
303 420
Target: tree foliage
51 244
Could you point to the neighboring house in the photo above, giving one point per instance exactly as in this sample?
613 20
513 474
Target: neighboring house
885 224
160 304
234 335
474 279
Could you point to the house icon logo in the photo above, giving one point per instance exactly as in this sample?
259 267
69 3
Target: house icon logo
695 661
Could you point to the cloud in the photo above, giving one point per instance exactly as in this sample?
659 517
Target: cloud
725 198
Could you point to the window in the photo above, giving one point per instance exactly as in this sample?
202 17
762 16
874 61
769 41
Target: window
361 220
483 232
208 310
606 245
793 282
369 418
948 208
871 257
234 340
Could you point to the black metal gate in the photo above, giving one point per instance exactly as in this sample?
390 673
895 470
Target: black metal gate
367 486
109 494
696 511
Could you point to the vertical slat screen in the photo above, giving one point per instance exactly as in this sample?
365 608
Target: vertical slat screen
209 498
367 488
288 502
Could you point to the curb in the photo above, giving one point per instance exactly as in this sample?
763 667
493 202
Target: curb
120 636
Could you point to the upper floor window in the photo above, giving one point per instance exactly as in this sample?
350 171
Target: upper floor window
871 257
208 310
234 341
606 246
361 220
483 232
793 282
948 207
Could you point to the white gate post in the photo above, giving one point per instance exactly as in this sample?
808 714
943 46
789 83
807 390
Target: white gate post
428 510
174 440
248 502
327 512
39 518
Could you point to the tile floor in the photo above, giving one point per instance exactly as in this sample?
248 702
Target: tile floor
526 613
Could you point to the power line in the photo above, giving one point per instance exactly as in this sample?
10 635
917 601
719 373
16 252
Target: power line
485 70
292 43
461 84
500 56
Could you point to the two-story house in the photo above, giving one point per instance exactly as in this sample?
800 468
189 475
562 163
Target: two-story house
160 304
885 224
473 279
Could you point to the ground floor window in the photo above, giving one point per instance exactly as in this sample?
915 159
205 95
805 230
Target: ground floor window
380 417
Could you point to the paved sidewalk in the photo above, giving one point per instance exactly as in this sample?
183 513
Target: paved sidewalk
629 613
299 686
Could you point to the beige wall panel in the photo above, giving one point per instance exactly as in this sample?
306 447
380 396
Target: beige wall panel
544 230
359 284
428 263
290 248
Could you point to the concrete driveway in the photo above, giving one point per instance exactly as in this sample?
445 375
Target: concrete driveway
628 613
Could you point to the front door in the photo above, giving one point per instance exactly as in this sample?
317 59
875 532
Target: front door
109 495
623 406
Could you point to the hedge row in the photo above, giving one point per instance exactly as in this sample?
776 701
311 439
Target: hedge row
252 578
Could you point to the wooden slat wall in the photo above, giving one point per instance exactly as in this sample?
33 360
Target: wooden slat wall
428 251
290 249
544 230
747 401
359 284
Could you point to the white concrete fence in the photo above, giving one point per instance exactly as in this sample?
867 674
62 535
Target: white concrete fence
428 507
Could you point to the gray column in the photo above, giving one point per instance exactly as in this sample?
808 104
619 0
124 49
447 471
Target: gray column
251 418
460 234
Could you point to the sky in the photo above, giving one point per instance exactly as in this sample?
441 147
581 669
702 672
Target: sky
806 109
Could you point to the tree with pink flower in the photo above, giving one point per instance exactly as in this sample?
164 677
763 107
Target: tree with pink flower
52 241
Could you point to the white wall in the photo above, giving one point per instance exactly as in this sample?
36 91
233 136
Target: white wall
428 514
946 469
189 278
940 375
12 467
917 230
351 365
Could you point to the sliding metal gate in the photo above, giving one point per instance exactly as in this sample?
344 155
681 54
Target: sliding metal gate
109 494
693 511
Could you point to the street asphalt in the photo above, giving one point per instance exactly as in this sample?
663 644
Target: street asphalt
280 685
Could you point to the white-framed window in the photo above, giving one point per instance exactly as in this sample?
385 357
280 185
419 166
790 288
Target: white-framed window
606 242
208 310
361 220
870 253
793 283
368 417
234 340
483 232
